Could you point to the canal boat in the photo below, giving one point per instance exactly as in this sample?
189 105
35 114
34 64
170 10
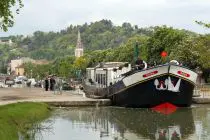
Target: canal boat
169 83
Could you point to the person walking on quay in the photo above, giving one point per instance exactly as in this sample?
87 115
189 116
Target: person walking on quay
46 84
58 85
52 83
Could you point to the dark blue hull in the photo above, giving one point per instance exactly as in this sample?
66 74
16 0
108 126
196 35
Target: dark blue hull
145 94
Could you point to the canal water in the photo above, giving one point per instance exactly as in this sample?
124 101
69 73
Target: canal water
115 123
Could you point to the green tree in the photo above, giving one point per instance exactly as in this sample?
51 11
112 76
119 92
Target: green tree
186 53
203 47
6 15
163 39
203 24
194 52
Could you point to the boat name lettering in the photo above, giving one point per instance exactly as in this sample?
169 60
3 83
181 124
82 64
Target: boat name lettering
150 74
183 74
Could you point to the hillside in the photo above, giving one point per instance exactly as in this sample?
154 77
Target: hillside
95 36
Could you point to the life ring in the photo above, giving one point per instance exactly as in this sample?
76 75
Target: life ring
145 65
174 61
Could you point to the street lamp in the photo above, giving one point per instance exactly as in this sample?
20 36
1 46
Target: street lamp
31 73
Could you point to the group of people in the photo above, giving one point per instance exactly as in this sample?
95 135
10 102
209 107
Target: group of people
49 83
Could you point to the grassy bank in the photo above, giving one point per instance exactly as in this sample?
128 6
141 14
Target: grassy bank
19 117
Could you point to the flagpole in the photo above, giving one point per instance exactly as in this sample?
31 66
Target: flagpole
136 51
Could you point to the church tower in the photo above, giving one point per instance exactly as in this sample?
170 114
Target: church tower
79 48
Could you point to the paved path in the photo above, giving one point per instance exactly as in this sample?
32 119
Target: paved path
67 98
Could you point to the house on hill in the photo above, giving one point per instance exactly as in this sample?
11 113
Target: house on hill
17 63
16 67
6 40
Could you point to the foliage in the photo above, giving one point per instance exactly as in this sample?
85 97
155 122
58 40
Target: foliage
186 53
203 49
163 39
203 24
194 52
81 63
37 71
6 15
63 66
99 35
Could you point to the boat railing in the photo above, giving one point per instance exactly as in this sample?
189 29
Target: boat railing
135 70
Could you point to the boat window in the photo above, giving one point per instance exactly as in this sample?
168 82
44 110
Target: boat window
88 72
101 79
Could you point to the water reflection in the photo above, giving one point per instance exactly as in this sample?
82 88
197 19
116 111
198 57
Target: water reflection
35 128
112 123
153 125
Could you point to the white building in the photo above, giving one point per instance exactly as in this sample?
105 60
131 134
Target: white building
107 73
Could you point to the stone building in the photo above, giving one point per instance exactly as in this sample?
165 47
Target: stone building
18 62
6 40
16 67
19 70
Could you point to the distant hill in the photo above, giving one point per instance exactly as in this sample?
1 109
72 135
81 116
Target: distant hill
95 36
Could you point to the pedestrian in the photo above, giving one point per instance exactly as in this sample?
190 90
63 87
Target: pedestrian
59 85
42 83
52 83
46 84
139 64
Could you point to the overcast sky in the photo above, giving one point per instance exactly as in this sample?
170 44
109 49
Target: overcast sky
55 15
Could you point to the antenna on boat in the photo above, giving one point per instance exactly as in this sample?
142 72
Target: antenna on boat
136 51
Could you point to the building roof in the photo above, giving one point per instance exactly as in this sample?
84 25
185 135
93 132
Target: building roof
110 64
41 62
20 66
5 38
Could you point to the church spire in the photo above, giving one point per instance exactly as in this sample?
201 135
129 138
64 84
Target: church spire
79 42
79 47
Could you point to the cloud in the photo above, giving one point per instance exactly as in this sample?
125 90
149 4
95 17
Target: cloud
54 15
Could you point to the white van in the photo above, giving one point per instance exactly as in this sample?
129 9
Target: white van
33 81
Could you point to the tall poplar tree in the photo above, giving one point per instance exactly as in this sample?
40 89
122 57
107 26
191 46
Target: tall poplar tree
6 13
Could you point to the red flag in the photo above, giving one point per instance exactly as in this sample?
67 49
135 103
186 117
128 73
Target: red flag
163 54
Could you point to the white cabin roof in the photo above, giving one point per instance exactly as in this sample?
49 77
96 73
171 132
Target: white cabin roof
110 64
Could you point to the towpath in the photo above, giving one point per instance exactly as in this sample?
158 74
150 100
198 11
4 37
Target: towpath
67 98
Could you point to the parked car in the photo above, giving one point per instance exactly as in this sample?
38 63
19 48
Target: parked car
9 82
66 86
38 84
